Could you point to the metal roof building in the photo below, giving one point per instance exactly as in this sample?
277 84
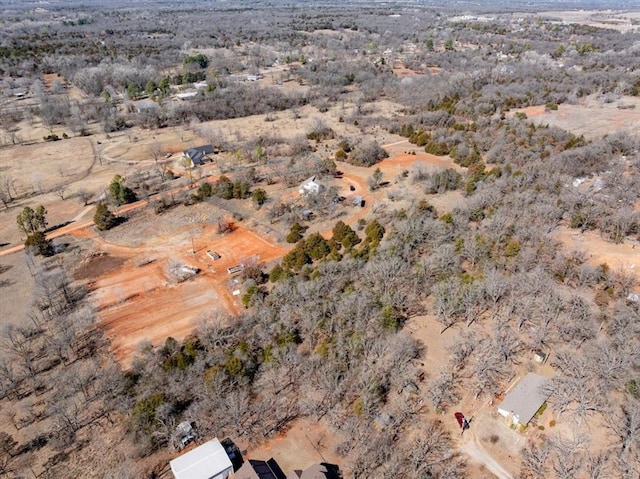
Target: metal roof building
524 400
208 461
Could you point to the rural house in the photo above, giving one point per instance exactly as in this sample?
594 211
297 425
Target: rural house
321 471
525 399
197 156
255 469
310 187
208 461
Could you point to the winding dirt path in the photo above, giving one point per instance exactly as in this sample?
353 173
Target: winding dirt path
477 453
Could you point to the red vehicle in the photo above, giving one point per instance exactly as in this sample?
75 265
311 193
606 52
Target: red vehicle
464 423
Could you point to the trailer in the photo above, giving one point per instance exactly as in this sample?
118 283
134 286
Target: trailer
213 255
235 269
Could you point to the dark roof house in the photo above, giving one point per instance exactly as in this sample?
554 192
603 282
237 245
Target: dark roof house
198 155
321 471
255 469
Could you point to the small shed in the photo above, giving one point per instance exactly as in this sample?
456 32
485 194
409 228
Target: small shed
185 434
525 399
539 357
310 187
208 461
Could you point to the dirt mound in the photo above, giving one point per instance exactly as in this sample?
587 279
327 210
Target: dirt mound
97 266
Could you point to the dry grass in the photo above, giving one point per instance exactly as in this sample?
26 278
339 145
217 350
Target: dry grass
593 118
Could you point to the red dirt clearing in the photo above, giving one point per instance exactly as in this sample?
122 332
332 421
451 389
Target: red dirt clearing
140 300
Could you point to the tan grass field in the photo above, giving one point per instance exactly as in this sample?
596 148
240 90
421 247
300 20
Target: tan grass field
592 118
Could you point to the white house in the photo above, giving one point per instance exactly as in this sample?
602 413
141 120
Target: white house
310 187
186 95
525 399
208 461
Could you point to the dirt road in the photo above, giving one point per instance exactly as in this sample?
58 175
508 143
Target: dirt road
474 449
74 226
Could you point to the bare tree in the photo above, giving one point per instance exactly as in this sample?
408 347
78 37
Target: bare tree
625 424
596 465
569 456
7 189
442 389
60 191
7 450
447 302
156 150
535 461
84 196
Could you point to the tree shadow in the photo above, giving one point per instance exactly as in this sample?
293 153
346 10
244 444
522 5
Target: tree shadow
5 267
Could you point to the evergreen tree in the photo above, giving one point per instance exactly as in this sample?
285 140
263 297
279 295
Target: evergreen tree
103 218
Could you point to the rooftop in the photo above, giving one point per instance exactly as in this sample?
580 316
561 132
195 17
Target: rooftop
524 400
254 469
203 462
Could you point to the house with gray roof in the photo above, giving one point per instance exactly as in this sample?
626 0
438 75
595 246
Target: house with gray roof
523 401
196 156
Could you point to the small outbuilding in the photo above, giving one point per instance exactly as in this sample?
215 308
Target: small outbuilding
525 399
184 434
186 95
539 357
208 461
311 187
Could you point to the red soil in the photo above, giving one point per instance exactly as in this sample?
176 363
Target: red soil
143 302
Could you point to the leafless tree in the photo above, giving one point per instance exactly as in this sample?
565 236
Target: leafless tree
7 451
535 461
569 456
442 389
84 196
625 425
430 449
447 302
156 150
60 191
7 189
596 465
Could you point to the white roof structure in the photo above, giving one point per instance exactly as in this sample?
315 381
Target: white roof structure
185 95
208 461
524 400
310 186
